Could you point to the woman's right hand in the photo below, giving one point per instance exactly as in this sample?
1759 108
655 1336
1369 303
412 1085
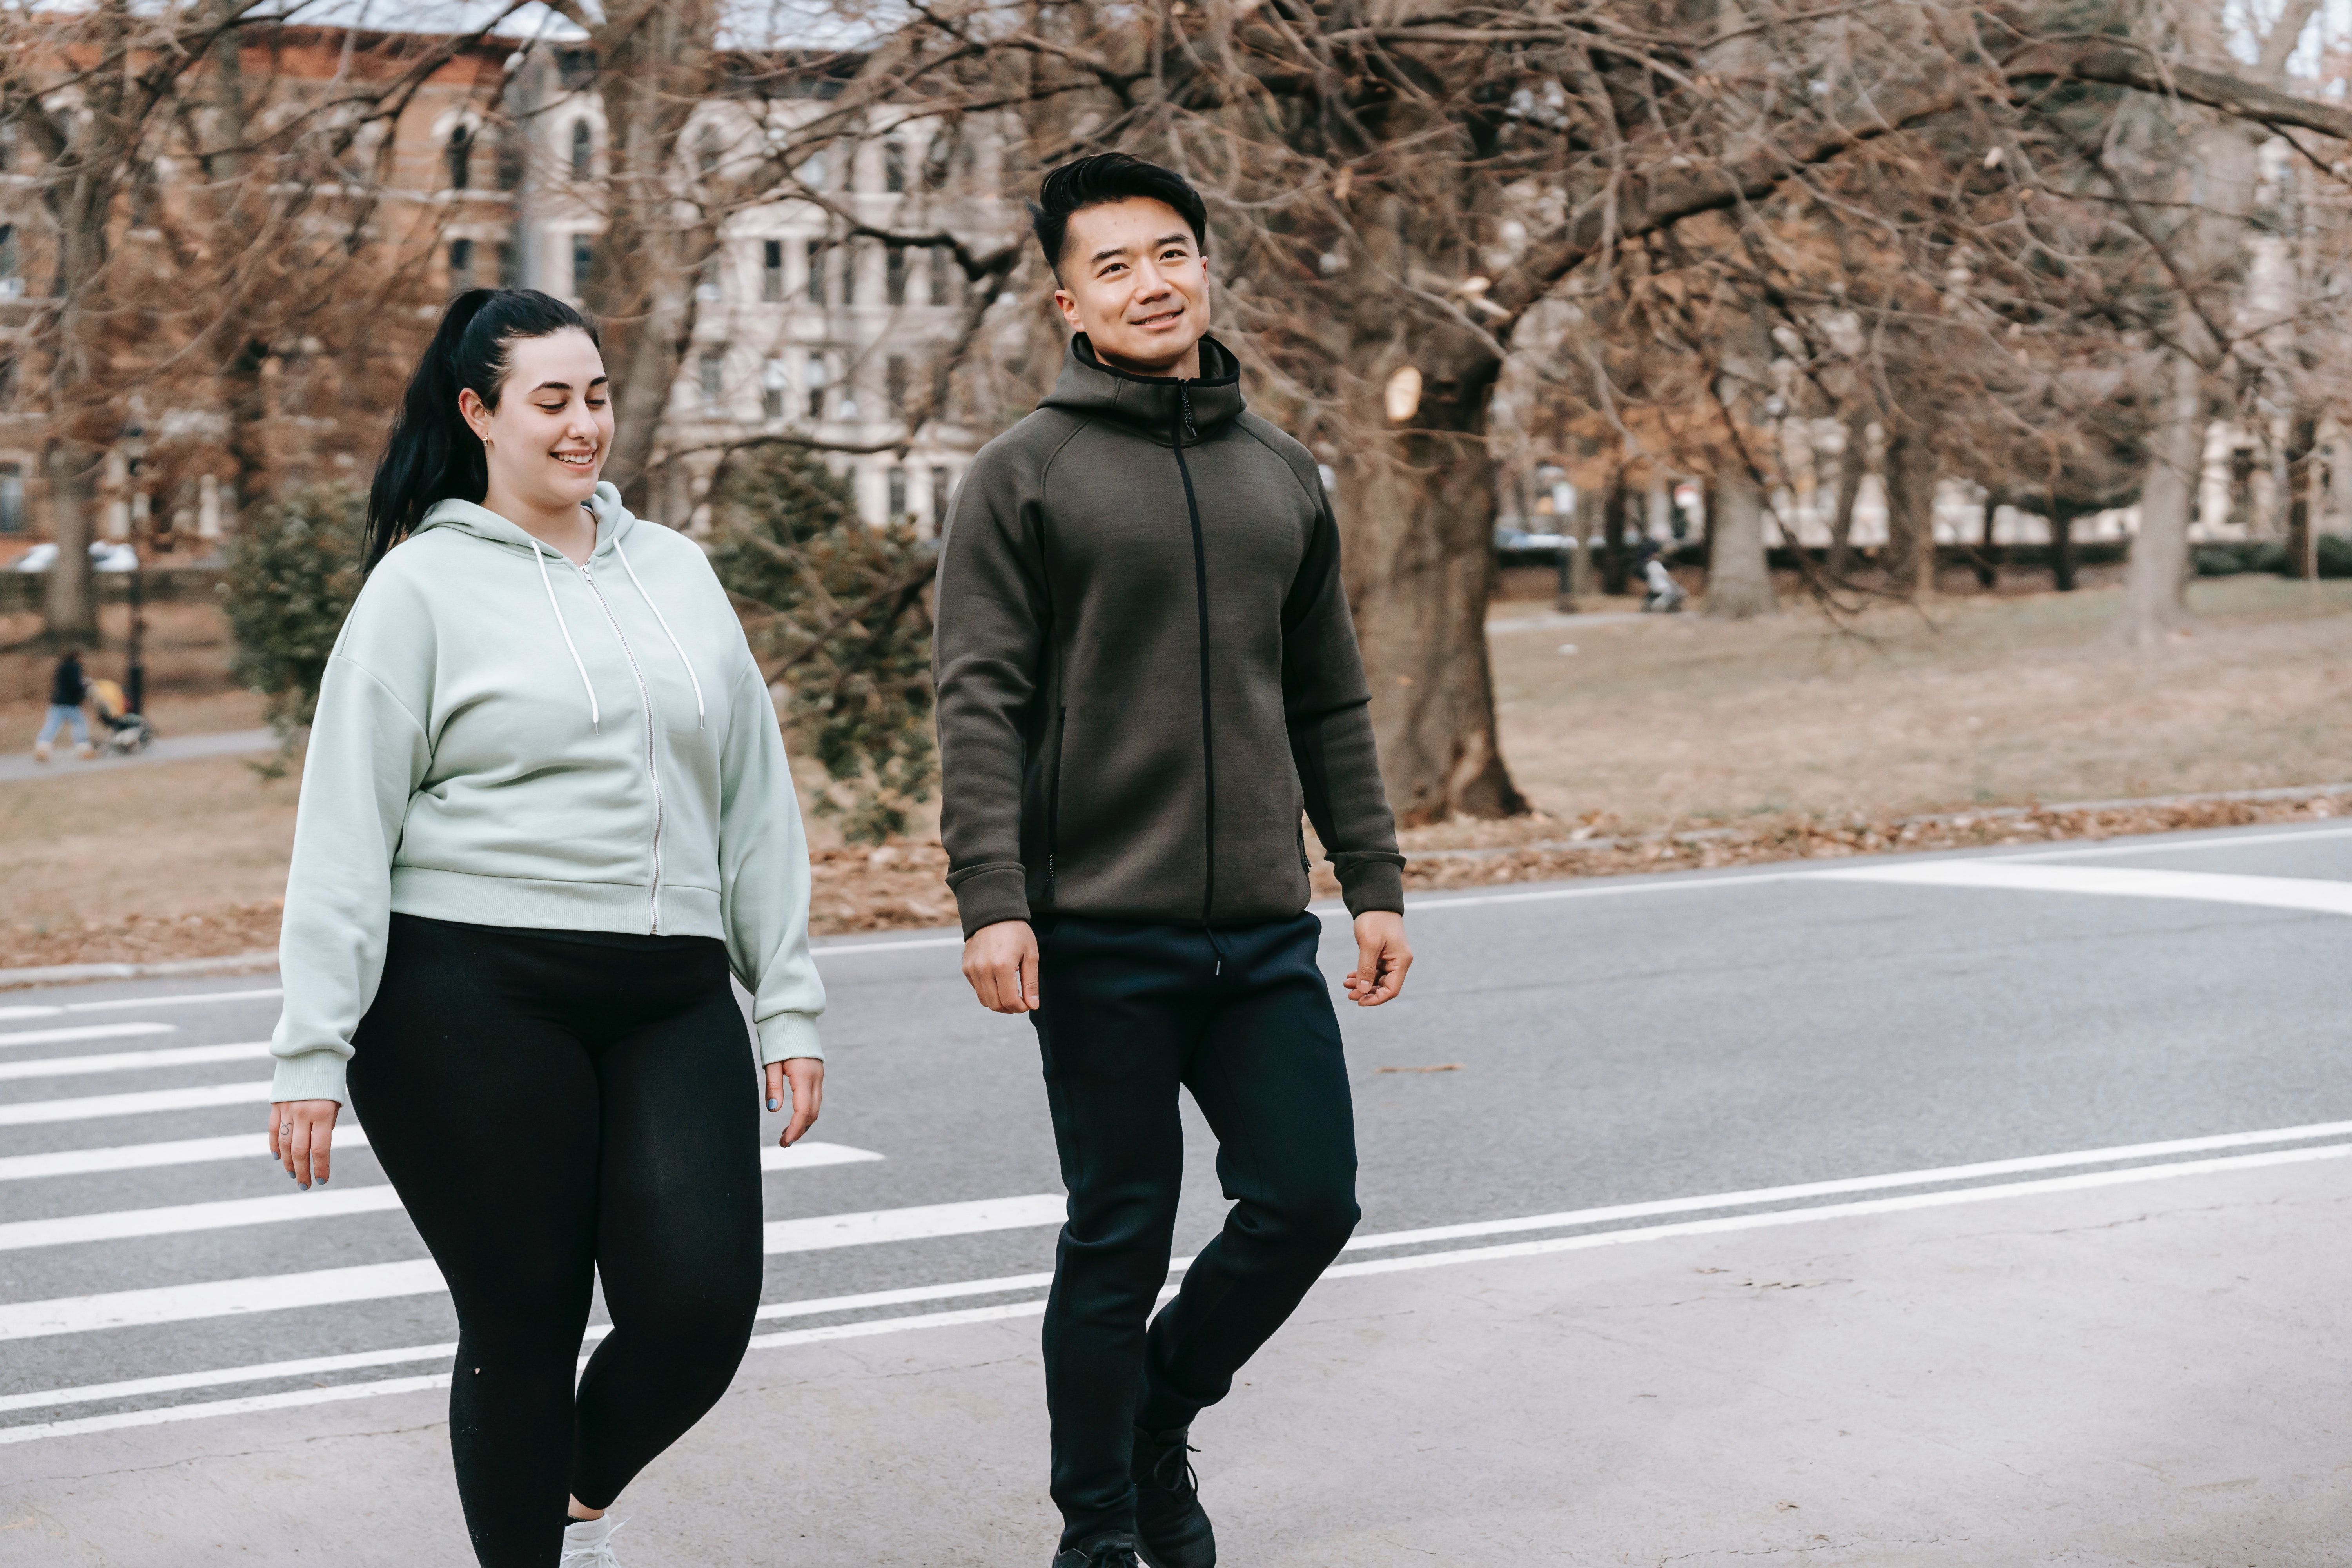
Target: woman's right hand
302 1136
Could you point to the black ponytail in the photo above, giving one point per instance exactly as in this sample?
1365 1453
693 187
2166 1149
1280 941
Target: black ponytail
433 454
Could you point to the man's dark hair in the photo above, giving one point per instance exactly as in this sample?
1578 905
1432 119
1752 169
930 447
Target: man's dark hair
1109 177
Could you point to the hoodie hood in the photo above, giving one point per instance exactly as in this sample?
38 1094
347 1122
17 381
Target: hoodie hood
613 521
1153 406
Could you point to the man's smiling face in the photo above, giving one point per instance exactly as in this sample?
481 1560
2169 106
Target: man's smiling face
1133 279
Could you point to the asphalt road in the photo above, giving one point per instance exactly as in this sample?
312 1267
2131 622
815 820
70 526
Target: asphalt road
1631 1041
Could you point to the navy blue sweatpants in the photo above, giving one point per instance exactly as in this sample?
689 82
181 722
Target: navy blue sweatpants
1242 1018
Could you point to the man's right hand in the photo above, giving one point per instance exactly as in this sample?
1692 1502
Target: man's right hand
1000 962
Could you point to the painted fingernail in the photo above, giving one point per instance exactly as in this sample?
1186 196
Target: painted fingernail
775 1104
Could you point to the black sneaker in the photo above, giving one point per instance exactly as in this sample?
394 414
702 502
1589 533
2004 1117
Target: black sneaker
1103 1551
1171 1528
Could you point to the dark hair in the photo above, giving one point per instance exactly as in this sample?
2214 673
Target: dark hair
433 454
1109 177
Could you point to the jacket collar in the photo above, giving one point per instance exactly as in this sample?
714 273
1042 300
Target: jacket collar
1152 406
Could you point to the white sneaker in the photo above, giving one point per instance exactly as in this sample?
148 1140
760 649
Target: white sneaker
588 1543
40 750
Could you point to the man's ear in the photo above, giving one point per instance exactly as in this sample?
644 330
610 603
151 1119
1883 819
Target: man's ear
1069 305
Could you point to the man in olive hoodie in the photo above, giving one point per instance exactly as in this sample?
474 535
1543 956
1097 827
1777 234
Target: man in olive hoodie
1147 673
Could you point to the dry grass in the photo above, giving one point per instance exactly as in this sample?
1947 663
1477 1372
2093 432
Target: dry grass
1768 740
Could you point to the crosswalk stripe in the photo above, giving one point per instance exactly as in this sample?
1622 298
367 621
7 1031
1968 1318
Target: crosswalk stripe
312 1366
10 1015
806 1153
418 1276
174 1219
27 1112
133 1061
195 998
72 1032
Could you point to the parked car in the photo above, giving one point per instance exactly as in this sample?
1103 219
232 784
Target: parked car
104 556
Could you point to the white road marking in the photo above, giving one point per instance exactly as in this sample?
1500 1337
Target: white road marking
27 1112
191 1000
875 1326
1921 1178
253 1145
82 1032
134 1061
2161 844
2308 894
226 1214
12 1014
117 1224
418 1276
848 949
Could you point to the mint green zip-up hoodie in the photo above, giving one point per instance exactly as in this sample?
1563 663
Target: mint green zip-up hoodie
506 739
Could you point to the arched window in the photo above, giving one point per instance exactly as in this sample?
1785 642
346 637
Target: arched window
584 151
461 157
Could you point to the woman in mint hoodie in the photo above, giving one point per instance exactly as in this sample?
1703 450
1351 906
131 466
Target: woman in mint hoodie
545 815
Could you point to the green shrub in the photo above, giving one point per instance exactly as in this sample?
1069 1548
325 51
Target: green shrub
292 573
836 610
2217 561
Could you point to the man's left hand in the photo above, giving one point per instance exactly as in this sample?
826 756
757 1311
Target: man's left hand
1383 957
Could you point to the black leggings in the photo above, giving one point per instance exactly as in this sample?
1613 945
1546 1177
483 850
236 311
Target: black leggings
551 1106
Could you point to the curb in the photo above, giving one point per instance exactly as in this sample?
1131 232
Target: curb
1987 814
67 973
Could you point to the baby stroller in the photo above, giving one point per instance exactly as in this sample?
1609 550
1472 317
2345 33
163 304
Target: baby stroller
126 731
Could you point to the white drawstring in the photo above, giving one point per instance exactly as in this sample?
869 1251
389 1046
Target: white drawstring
674 643
595 714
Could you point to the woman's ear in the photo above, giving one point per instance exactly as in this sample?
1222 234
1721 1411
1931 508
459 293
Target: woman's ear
475 411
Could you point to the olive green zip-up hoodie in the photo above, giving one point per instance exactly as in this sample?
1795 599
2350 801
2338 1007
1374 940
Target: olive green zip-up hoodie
1146 666
506 739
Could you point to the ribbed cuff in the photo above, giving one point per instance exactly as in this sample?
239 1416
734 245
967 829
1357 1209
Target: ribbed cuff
998 893
1372 885
313 1074
784 1036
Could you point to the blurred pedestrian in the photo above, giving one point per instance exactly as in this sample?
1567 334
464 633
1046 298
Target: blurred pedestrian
69 690
546 814
1146 672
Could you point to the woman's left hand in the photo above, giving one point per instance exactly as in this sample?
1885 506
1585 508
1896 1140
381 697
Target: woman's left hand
806 1077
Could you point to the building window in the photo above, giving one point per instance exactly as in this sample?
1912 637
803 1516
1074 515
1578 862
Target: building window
584 151
815 383
12 281
816 253
12 498
510 265
941 493
771 271
710 370
894 274
584 262
944 275
706 285
849 273
511 157
461 157
897 482
894 168
935 161
461 264
774 378
812 172
894 384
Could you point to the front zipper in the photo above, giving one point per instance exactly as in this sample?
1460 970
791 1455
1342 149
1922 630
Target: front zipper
653 759
1200 590
1054 801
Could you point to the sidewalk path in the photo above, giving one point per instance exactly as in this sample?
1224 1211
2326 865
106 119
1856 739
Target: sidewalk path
2147 1374
16 767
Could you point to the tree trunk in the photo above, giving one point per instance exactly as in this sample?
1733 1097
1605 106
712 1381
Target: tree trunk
2062 548
1419 518
1739 573
1910 516
2302 469
2156 579
69 610
1616 565
1853 464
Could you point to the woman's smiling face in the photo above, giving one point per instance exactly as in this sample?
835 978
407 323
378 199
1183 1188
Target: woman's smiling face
546 440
